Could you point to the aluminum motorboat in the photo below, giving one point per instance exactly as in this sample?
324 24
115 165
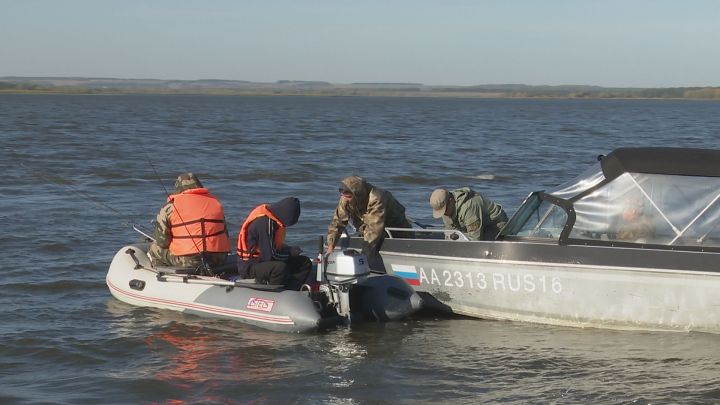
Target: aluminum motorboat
574 255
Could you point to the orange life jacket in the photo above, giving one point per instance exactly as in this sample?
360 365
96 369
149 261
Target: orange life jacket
197 223
246 252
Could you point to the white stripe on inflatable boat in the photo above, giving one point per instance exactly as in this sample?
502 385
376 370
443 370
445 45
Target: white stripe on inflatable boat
211 309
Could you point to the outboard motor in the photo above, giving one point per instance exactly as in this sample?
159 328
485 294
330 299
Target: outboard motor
356 295
339 272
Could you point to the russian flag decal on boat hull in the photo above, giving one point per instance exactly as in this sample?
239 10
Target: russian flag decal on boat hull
407 273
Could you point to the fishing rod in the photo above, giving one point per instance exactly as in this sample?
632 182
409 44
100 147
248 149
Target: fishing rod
143 232
203 261
54 179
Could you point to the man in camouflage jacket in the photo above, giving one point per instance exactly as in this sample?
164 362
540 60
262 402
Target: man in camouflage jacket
469 212
159 251
370 209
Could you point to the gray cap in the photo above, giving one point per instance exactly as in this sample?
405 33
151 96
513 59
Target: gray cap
438 201
186 181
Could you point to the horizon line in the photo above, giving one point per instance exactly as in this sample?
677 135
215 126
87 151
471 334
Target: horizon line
286 81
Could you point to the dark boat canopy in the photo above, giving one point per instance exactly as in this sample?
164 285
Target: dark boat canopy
671 161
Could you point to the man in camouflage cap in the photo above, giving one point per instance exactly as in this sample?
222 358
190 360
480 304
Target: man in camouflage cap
186 181
370 209
190 226
468 211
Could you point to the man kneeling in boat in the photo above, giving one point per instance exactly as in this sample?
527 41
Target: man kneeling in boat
262 253
190 228
468 211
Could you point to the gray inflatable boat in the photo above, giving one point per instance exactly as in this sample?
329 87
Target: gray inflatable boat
346 292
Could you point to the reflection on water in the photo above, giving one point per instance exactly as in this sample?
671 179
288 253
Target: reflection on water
189 358
345 355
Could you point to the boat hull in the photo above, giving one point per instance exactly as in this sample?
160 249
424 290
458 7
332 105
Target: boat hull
286 311
582 286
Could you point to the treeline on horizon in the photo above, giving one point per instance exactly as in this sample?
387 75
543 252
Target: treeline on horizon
389 89
596 91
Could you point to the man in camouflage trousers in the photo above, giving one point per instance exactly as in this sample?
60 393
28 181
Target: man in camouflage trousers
183 236
370 209
468 211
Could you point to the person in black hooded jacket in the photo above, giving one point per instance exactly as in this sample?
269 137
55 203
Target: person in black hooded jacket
262 252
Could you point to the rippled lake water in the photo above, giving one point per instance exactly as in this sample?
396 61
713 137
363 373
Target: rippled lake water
77 169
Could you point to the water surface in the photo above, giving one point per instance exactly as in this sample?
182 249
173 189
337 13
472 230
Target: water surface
77 169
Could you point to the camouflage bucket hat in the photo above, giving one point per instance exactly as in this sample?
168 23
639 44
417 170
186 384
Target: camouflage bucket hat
186 181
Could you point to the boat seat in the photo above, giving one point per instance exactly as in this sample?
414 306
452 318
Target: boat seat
227 268
251 283
246 281
175 270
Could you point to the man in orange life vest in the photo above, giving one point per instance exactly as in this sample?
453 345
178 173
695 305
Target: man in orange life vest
190 224
262 252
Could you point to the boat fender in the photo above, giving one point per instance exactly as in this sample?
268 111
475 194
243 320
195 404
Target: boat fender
137 284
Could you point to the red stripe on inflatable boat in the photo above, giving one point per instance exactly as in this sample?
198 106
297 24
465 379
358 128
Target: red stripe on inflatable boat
283 320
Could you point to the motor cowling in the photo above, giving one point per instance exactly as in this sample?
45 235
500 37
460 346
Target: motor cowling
347 266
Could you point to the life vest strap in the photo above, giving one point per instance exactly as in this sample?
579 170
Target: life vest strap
200 236
201 220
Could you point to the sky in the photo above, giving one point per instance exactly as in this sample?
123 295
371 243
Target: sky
611 43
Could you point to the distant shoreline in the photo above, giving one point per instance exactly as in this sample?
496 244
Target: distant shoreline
466 95
111 86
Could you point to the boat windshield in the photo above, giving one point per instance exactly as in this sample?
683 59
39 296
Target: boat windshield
537 218
652 208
